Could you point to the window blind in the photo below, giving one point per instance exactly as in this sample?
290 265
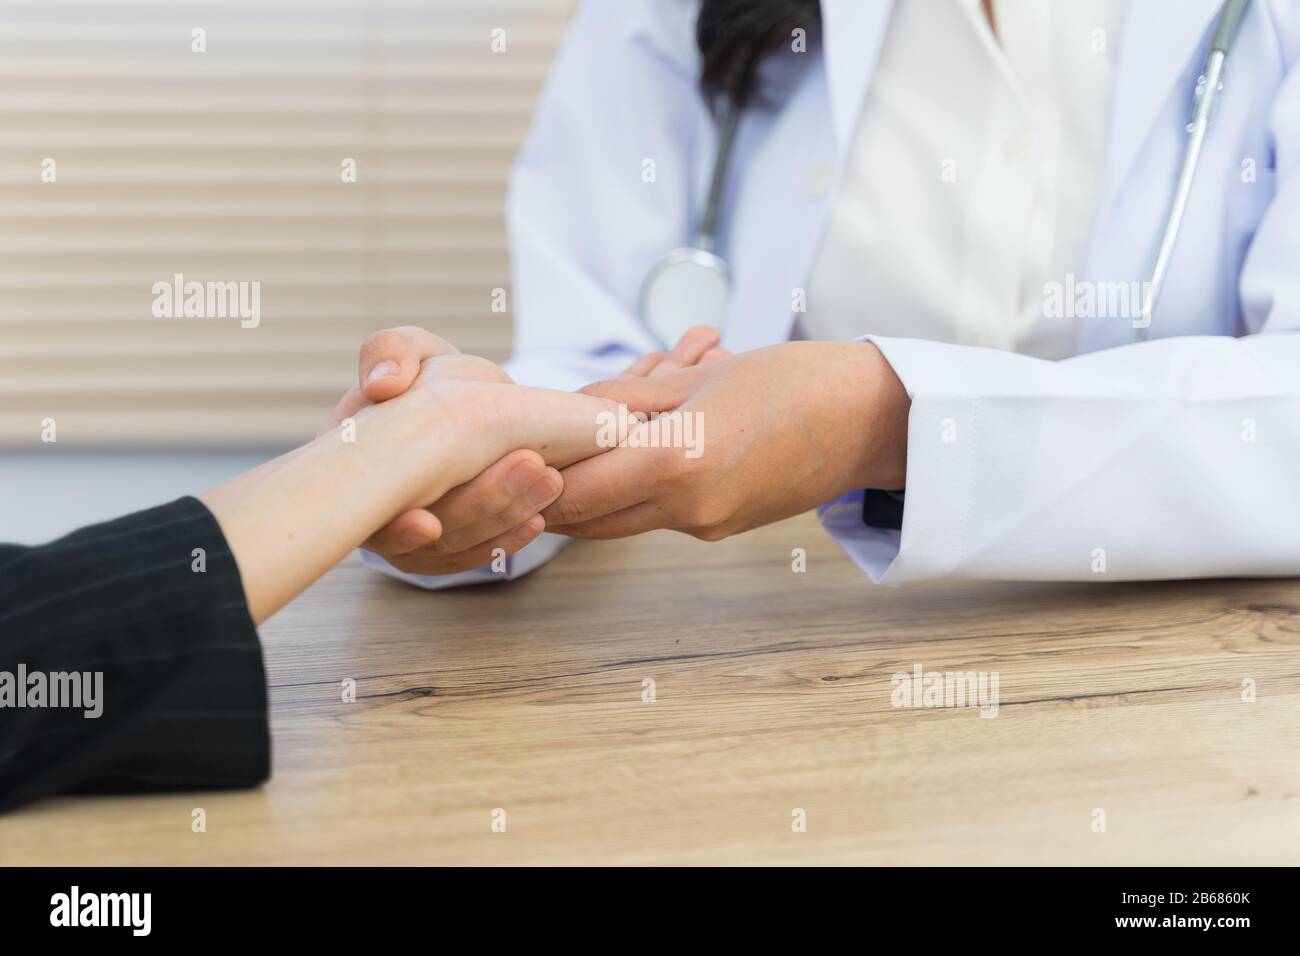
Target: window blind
343 162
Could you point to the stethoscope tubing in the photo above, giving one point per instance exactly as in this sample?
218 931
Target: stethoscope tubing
1209 86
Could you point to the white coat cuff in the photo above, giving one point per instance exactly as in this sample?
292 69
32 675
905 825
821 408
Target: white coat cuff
527 559
872 549
942 433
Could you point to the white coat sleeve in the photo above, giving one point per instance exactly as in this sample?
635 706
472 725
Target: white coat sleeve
1175 458
601 189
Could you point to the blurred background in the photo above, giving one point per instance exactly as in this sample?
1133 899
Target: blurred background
139 140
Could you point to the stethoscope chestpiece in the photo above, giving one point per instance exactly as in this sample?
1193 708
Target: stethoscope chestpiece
687 287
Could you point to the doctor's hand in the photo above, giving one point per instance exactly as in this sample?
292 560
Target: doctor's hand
699 344
776 431
500 508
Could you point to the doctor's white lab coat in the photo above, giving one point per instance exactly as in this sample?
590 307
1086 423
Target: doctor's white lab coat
1177 457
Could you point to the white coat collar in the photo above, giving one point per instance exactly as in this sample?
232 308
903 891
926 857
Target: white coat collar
1157 44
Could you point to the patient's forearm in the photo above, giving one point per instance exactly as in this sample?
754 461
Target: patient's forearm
296 517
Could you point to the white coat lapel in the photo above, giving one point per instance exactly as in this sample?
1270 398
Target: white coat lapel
853 32
777 222
1159 42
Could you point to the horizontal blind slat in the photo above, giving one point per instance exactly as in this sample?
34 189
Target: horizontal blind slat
225 166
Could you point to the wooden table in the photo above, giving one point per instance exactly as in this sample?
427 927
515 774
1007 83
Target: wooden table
772 694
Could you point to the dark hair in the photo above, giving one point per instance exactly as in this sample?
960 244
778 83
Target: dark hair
735 35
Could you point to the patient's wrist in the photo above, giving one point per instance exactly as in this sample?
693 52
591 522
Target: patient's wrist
410 442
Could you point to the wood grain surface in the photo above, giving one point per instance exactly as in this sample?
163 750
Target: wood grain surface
772 694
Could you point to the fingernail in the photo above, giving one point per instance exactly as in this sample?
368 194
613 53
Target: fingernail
520 477
542 491
383 370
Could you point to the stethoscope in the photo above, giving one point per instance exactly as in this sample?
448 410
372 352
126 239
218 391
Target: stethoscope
692 285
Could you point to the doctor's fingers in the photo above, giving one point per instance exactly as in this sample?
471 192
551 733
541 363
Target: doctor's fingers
695 343
514 540
408 531
515 514
646 516
642 366
652 394
390 359
611 482
649 364
503 488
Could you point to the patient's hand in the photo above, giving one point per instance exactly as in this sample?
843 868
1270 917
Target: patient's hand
291 519
501 507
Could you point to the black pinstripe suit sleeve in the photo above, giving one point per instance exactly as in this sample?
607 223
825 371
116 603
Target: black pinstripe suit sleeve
183 686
